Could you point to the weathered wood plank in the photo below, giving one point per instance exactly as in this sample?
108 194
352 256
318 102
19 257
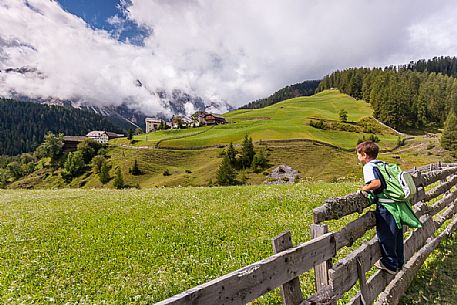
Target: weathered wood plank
395 289
442 203
376 283
436 175
420 195
320 270
363 282
335 208
355 229
441 189
344 274
450 212
250 282
290 291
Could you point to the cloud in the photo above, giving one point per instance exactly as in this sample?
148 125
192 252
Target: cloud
233 50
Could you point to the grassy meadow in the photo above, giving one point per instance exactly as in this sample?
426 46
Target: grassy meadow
141 246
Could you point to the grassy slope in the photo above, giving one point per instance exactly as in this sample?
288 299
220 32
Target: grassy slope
285 120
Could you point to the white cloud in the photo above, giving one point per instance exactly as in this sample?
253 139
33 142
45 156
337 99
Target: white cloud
235 50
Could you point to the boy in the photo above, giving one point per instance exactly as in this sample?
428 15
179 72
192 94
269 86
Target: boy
389 235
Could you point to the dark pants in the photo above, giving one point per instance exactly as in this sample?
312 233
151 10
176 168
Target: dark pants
390 238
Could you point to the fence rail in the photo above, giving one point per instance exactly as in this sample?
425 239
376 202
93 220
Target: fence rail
284 267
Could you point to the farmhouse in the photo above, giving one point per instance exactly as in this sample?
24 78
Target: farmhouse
102 137
70 143
207 118
152 124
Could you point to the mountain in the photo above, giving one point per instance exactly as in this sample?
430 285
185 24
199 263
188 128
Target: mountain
127 115
23 125
306 88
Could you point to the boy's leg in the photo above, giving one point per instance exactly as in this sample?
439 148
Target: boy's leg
388 236
400 248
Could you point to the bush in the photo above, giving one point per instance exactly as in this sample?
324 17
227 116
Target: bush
73 166
166 172
104 172
317 124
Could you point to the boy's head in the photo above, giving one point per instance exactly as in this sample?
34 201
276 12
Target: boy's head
367 151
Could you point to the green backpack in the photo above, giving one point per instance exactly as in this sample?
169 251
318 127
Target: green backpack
399 185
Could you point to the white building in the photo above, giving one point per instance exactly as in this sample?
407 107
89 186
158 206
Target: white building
152 124
102 136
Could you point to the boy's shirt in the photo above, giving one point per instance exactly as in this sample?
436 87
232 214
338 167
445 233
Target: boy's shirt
370 173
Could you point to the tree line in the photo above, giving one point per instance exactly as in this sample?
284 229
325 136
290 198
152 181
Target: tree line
23 125
401 98
301 89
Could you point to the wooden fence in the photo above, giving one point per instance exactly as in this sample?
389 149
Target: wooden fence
333 280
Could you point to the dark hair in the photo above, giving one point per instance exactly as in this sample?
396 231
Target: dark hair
369 148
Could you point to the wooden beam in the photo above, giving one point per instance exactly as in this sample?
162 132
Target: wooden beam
441 189
335 208
320 270
344 274
355 229
442 203
290 291
450 212
253 281
436 175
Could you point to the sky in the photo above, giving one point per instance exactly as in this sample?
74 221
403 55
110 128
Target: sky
232 50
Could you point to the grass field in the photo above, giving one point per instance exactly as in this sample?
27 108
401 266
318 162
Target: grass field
141 246
285 120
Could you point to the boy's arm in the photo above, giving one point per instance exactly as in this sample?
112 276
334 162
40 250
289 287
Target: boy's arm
373 185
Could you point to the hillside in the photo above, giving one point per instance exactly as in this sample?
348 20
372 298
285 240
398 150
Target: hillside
283 121
287 120
24 124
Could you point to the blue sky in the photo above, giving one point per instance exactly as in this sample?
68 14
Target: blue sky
96 13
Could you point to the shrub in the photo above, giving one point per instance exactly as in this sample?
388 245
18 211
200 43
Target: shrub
317 124
135 170
166 172
104 172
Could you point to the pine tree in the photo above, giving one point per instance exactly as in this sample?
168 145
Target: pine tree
343 115
449 137
231 153
104 172
129 134
225 174
135 170
247 152
119 179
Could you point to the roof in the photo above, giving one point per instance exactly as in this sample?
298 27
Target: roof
74 138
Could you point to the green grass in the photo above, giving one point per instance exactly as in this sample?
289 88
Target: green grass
141 246
285 120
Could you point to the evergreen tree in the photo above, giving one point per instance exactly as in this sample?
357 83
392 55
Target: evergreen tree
138 131
135 170
130 134
247 152
231 153
225 174
119 179
104 172
259 162
449 137
343 115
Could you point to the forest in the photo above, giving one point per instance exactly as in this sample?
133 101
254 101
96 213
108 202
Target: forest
24 124
416 96
301 89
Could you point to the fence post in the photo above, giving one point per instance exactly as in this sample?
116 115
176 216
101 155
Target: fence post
321 270
290 291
